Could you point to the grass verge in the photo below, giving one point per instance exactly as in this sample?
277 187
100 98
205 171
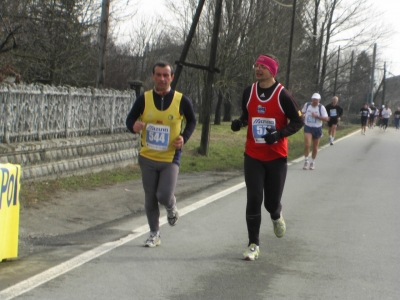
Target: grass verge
225 153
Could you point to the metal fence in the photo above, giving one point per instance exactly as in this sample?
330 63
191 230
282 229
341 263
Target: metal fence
40 112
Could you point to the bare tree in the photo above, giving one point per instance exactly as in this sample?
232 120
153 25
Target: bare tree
54 40
339 23
103 33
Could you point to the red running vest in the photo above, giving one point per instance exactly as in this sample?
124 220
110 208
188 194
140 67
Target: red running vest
265 114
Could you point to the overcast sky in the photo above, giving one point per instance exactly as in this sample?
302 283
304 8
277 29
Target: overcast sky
389 8
391 14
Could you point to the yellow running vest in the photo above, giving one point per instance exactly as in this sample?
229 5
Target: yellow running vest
161 129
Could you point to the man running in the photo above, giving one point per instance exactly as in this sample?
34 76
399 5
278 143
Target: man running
380 120
364 113
157 115
266 109
397 118
376 117
386 113
314 114
372 116
335 112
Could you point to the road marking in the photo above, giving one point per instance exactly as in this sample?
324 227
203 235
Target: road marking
41 278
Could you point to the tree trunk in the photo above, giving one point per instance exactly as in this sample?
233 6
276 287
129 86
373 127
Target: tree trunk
328 36
217 117
227 111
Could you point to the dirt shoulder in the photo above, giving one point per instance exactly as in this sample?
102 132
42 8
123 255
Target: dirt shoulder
72 212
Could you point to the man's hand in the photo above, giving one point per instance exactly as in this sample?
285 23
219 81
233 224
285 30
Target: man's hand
236 125
138 126
178 142
272 136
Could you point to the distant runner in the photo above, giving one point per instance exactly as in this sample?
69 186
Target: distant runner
335 113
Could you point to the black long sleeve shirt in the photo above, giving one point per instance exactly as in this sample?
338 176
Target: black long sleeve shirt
162 103
287 102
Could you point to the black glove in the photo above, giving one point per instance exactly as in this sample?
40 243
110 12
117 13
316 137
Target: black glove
236 125
272 136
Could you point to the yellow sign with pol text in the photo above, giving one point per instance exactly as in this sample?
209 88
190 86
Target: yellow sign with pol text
9 210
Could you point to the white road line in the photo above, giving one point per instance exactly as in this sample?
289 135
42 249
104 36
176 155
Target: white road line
41 278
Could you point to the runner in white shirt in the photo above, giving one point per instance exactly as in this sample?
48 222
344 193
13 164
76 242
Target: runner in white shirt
386 113
314 114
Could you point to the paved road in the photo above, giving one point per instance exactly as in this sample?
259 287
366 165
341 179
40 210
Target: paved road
342 240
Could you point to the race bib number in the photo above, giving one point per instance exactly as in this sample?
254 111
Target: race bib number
157 137
311 119
259 128
333 112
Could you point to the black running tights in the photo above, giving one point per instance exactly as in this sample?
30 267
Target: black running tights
265 181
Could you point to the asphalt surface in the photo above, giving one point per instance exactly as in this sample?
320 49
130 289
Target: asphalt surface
342 241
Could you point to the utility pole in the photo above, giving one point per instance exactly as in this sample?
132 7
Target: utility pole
188 41
336 73
103 31
371 89
384 84
350 85
321 39
290 46
207 105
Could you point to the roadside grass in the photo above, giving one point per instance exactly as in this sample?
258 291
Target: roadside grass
225 153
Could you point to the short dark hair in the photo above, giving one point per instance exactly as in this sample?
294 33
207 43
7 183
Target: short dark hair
163 64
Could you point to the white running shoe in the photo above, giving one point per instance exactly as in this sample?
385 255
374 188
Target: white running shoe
312 166
153 240
173 216
279 227
252 252
306 165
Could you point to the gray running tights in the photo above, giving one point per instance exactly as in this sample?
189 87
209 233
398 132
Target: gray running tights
159 182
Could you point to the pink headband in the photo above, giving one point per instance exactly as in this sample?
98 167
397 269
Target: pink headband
268 62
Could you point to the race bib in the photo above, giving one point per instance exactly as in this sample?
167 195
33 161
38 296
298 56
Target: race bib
311 119
157 137
259 128
333 112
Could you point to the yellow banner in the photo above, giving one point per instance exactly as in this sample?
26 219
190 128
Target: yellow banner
9 210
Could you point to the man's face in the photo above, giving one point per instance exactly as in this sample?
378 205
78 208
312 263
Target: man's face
162 78
314 102
334 101
261 72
